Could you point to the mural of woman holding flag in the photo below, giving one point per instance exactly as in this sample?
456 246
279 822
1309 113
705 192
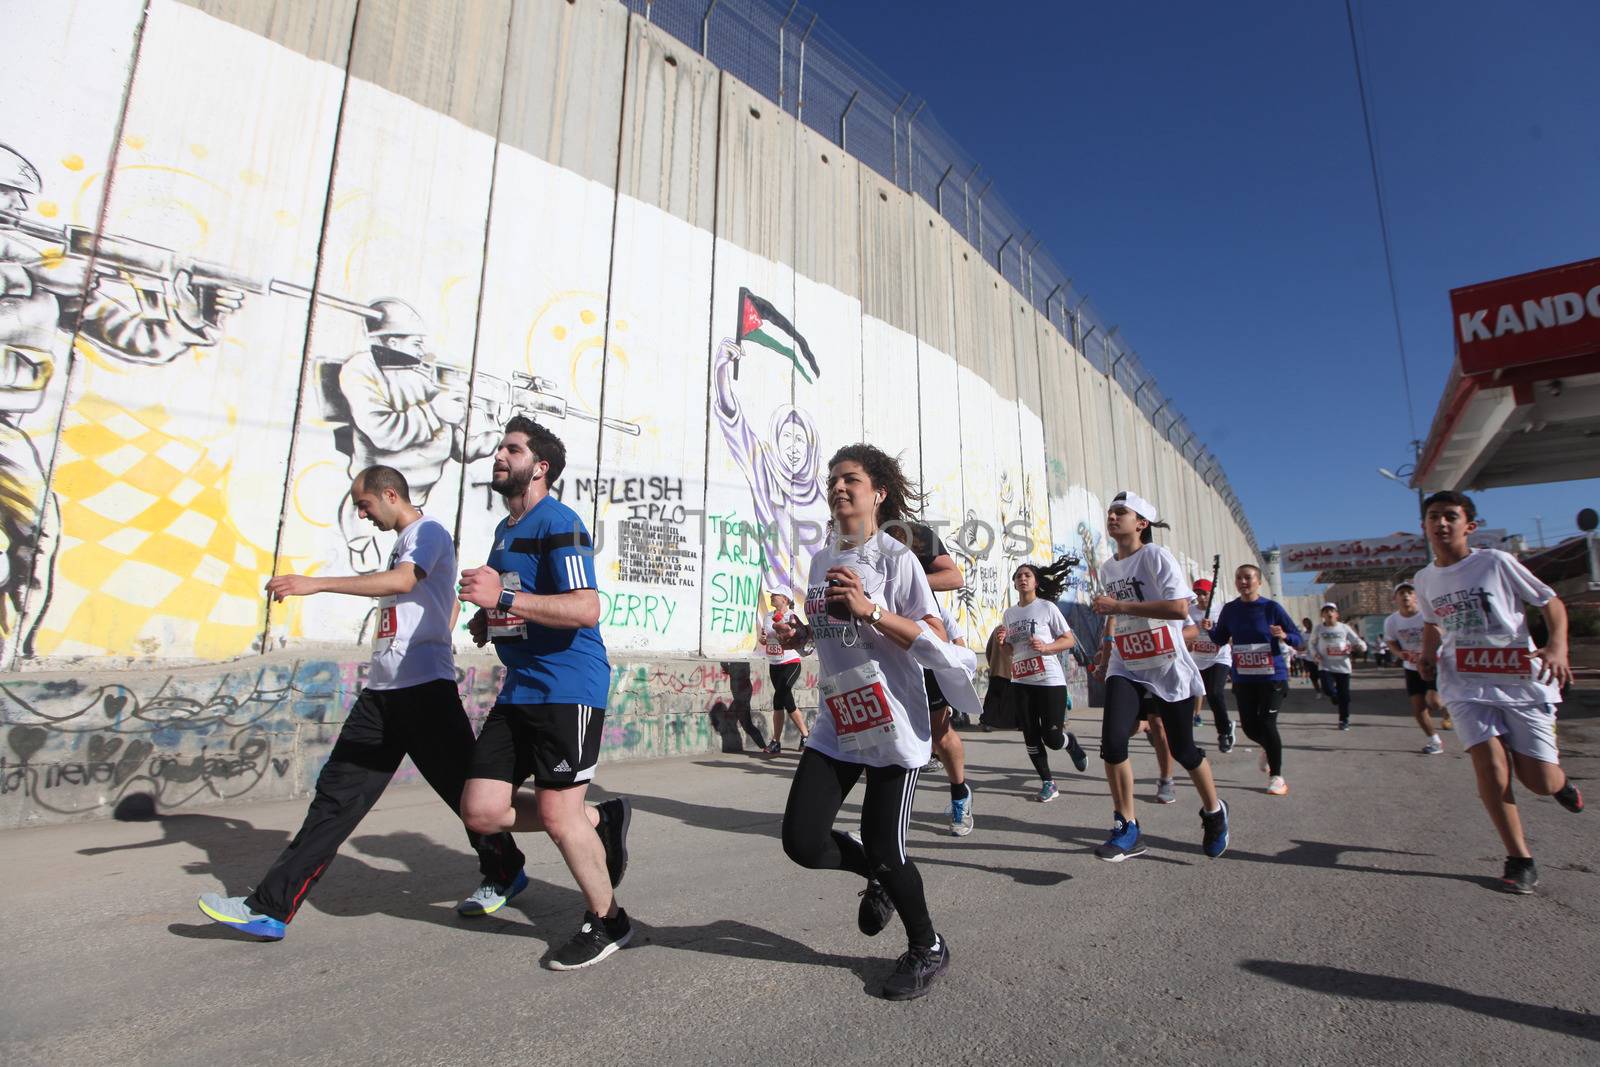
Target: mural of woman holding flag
784 469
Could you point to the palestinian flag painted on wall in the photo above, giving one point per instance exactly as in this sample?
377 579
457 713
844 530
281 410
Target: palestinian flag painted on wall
760 323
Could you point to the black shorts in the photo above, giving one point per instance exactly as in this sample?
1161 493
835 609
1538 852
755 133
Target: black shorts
554 744
936 700
1417 686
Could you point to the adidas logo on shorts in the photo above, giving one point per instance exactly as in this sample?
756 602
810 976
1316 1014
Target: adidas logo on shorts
562 768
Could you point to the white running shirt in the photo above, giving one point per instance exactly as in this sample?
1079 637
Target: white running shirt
411 639
1407 633
773 645
1332 645
1151 573
1206 652
1043 620
1485 652
892 579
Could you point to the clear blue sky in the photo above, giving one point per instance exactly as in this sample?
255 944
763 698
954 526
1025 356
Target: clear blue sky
1202 171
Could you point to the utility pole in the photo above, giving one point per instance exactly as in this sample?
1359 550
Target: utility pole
1538 524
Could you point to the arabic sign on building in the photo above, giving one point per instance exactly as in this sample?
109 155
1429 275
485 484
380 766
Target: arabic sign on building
1393 552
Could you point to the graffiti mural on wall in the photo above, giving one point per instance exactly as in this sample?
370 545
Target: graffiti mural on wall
783 469
141 304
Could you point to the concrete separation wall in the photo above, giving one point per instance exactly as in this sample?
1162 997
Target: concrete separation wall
248 248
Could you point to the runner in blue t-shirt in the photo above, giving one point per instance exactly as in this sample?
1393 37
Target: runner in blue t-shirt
538 603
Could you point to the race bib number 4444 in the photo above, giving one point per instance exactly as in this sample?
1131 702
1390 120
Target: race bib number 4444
1492 660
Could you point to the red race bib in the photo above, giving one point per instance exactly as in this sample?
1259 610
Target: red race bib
1492 660
1253 660
1146 650
1031 667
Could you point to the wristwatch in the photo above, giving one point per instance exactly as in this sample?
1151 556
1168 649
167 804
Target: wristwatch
508 597
877 613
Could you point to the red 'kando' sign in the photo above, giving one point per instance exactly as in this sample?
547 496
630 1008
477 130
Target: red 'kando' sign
1529 318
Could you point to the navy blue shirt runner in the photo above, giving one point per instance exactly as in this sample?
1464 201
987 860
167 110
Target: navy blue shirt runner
550 551
1246 622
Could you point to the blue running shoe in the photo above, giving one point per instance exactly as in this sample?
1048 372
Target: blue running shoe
232 911
490 897
1047 792
1124 843
961 820
1215 825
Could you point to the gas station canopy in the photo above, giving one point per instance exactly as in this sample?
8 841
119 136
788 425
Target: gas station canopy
1522 402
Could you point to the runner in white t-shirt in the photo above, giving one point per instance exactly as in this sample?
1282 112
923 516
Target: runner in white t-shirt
783 668
1331 642
1146 599
1402 635
1501 690
868 605
1038 633
409 707
1214 662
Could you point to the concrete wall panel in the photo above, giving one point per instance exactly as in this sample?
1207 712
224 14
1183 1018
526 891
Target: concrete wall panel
563 83
78 71
889 388
392 340
179 419
938 384
765 455
650 484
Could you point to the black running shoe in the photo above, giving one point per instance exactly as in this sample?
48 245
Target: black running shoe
1080 758
1569 797
876 909
1520 876
915 971
615 814
1225 740
595 940
773 747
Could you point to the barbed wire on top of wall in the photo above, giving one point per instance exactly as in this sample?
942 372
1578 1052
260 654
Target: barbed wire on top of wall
787 53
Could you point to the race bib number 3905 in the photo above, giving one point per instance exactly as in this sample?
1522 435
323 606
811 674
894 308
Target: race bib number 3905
1253 661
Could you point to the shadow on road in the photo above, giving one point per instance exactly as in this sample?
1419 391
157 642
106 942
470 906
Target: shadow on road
1336 981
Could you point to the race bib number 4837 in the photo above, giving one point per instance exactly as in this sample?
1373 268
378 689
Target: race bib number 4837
1146 650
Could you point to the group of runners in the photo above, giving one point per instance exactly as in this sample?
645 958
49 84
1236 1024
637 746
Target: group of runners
892 671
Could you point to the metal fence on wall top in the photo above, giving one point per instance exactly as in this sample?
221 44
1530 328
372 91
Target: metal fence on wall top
784 51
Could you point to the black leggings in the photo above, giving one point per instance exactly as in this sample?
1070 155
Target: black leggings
1338 689
1258 714
1042 710
815 796
1122 715
783 676
1215 678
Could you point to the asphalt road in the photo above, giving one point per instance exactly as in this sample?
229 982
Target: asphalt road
1355 920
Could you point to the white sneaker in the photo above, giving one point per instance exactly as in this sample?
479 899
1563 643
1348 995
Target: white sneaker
1164 791
1432 748
1277 787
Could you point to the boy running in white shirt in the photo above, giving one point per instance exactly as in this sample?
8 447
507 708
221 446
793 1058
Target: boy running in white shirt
1331 642
1501 690
1402 635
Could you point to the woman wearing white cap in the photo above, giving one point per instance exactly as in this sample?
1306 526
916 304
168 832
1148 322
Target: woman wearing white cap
1147 600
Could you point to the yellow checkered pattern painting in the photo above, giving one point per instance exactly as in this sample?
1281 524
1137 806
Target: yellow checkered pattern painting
150 560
